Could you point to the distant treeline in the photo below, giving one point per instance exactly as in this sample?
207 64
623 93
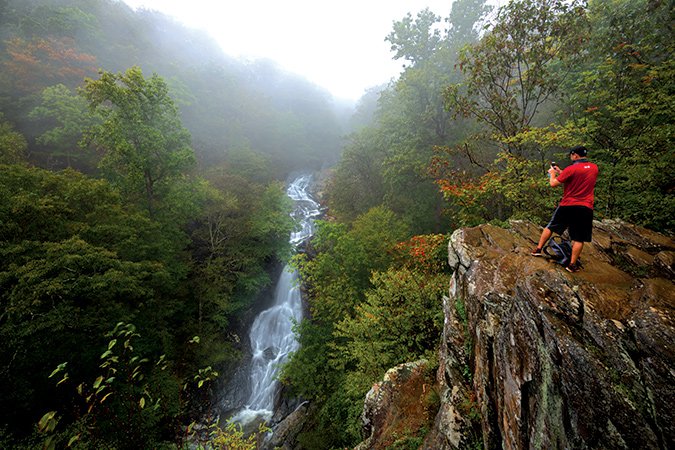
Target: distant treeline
227 105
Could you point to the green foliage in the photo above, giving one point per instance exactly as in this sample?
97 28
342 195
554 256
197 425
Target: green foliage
609 65
231 437
621 101
359 330
337 279
225 103
73 262
340 273
400 320
126 405
415 40
12 144
512 188
336 424
357 183
147 150
305 372
76 259
509 72
242 229
80 254
69 116
407 443
460 308
387 163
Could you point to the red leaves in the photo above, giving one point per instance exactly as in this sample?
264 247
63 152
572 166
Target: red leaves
424 252
40 62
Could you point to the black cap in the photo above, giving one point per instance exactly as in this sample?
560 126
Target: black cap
579 150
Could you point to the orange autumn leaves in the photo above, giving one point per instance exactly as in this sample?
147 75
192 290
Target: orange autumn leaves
424 252
40 62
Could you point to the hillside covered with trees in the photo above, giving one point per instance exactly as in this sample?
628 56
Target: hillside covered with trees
229 106
143 208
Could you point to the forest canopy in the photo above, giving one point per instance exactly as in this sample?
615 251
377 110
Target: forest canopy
227 105
143 210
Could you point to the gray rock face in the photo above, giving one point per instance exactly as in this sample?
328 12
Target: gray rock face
286 432
535 357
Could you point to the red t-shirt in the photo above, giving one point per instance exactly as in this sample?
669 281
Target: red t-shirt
578 183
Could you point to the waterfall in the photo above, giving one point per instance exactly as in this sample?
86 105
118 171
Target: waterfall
271 336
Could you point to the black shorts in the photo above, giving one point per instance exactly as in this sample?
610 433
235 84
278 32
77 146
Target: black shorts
579 220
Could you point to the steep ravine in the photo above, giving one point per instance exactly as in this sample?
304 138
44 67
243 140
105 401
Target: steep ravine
533 357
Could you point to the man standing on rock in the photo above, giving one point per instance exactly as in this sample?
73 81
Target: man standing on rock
575 210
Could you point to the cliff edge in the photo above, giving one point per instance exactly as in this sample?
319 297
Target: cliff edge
535 357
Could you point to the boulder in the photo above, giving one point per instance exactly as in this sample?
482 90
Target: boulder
286 432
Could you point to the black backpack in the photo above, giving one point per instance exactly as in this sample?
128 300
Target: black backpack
559 249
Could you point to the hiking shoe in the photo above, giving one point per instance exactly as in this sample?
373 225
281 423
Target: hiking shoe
573 267
536 252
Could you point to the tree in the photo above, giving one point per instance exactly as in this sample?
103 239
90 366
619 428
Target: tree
74 262
415 40
70 115
339 274
40 62
146 147
517 67
12 144
364 320
465 18
399 321
387 163
357 184
233 240
514 71
620 101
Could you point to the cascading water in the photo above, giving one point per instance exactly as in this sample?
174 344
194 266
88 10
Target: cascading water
271 335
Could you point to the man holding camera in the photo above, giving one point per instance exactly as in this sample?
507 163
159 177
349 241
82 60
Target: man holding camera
575 210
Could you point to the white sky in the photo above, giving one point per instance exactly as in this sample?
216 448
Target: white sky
338 45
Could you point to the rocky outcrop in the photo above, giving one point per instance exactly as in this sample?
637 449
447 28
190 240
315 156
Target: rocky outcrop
535 357
396 409
287 431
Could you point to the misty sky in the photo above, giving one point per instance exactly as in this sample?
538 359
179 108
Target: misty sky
338 45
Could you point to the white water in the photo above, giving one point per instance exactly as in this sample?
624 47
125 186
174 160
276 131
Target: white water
271 335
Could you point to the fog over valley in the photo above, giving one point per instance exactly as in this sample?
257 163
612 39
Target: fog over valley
337 45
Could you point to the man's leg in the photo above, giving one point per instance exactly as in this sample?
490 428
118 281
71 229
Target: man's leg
581 230
545 236
576 251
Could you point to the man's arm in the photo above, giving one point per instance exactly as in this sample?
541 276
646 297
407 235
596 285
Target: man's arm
553 178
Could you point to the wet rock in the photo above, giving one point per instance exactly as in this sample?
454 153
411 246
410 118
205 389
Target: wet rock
286 432
270 353
284 403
